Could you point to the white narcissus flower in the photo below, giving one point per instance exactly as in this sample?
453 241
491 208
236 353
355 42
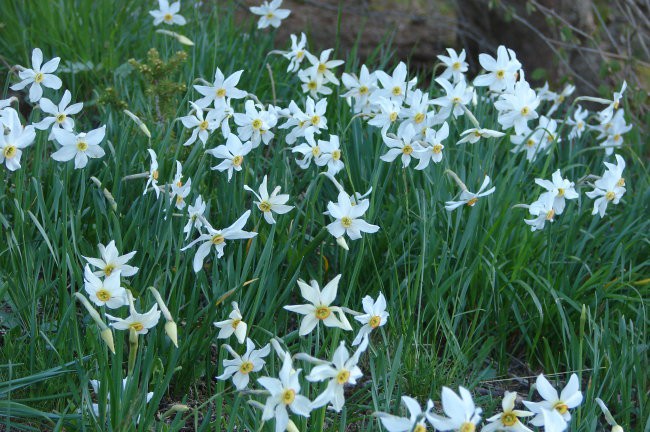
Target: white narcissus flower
79 147
322 66
221 90
217 238
414 423
240 367
403 145
233 325
462 414
18 138
606 114
255 125
348 218
518 107
388 113
360 89
341 371
141 323
474 134
469 198
111 261
232 153
612 131
330 155
107 292
315 112
179 189
201 125
543 211
375 316
270 204
456 96
297 53
396 86
569 398
456 65
560 189
152 178
195 216
502 71
508 420
59 115
578 122
319 309
270 14
552 421
40 74
309 150
167 13
609 188
433 152
284 394
313 84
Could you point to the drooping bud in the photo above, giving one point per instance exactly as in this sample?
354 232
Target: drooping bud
179 37
140 123
170 326
341 242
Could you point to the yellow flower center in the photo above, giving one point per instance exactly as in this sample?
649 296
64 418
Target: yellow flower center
472 201
168 17
407 149
221 92
550 214
477 134
9 151
109 269
179 200
530 142
525 111
420 428
60 118
397 90
237 160
246 367
103 295
343 376
437 148
616 105
265 206
322 312
346 221
137 326
456 66
155 175
561 407
467 427
299 54
456 100
501 74
82 146
560 192
550 137
374 321
508 418
419 118
580 125
363 90
203 125
257 124
620 182
321 68
312 85
610 196
269 15
393 116
288 395
217 239
617 137
38 77
315 119
336 154
235 323
179 183
315 151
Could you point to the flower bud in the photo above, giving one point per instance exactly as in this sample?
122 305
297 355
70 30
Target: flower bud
172 332
341 242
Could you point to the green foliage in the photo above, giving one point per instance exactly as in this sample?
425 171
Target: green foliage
475 298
